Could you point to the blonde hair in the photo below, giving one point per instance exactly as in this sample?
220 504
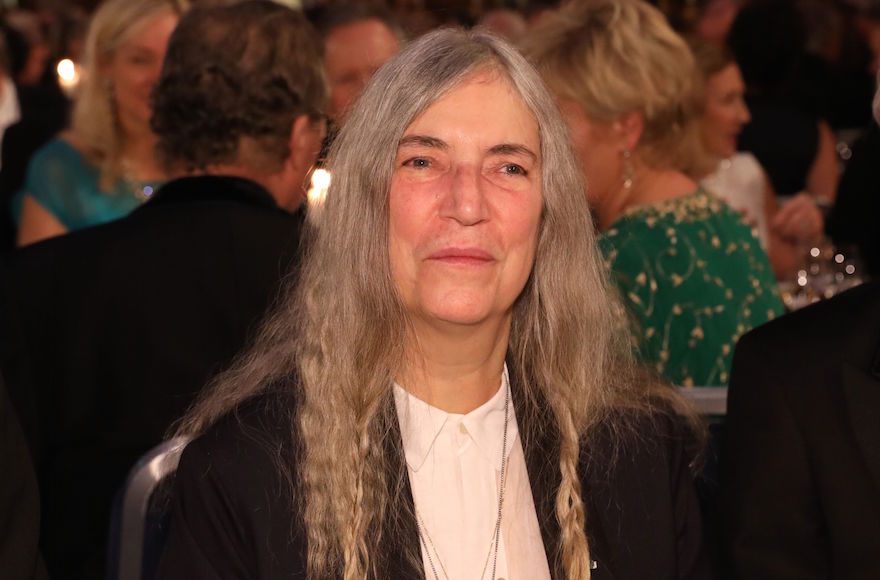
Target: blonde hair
343 330
614 57
94 122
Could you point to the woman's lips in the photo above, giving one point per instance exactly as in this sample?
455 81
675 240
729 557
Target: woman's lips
462 256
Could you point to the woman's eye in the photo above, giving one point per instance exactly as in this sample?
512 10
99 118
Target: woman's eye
417 162
514 169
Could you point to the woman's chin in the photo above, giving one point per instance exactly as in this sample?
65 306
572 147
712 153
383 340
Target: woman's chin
464 312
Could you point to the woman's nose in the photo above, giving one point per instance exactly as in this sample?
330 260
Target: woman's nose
744 115
465 200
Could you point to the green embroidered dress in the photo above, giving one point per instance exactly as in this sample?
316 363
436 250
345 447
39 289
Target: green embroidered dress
695 279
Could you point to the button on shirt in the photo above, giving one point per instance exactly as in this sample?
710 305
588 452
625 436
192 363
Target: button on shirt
454 464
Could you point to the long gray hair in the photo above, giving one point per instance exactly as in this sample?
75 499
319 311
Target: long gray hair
342 331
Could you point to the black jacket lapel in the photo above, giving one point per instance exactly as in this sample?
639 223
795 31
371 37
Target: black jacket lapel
541 449
400 530
540 445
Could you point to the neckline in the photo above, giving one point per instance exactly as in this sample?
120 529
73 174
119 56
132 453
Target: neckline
421 424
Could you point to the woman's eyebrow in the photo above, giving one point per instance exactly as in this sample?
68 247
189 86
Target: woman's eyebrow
424 141
513 149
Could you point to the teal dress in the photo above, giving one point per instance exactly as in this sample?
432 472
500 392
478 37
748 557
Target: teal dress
65 184
694 279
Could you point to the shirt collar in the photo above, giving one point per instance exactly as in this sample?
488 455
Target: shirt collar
420 424
211 188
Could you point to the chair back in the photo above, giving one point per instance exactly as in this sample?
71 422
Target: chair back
707 400
140 532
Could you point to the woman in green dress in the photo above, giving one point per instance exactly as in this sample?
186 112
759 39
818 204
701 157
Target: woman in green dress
690 270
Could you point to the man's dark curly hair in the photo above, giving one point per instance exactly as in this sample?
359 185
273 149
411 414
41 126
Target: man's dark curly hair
234 80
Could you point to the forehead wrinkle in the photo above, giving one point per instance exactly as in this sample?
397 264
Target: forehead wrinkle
424 141
513 149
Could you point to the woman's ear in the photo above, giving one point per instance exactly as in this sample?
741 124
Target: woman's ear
629 128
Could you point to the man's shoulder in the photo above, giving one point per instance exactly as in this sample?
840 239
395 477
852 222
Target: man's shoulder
202 223
830 324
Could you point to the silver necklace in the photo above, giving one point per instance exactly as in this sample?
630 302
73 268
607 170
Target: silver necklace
425 537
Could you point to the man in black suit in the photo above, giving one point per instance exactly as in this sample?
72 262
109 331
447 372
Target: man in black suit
801 470
108 334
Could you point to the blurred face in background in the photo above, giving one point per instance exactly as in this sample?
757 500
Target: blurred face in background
597 149
725 113
352 54
134 69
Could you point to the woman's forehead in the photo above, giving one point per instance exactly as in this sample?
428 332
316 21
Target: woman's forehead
485 106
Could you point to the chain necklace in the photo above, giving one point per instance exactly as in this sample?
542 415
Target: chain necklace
425 537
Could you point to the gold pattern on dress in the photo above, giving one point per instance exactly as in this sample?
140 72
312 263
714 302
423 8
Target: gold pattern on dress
677 244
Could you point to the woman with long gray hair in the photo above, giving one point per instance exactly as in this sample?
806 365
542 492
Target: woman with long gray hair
448 391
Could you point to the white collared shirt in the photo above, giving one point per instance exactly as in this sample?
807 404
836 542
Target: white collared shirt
454 464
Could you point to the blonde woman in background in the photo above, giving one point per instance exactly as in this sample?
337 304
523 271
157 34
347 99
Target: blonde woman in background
693 276
104 165
738 178
448 392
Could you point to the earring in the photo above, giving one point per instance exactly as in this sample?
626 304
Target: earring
629 171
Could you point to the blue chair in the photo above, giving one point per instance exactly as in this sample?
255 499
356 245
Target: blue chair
139 524
709 401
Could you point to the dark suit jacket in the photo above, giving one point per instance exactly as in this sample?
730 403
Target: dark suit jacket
107 334
233 516
801 478
19 501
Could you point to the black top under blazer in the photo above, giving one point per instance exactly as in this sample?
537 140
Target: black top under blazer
232 516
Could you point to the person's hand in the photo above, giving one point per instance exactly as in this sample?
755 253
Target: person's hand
799 219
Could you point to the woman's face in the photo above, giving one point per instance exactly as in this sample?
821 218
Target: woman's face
598 149
135 67
465 204
726 111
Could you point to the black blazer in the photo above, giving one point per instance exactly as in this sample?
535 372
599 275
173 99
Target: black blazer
108 333
233 517
801 469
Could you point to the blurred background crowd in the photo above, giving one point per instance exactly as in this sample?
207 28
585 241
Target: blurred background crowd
787 88
149 214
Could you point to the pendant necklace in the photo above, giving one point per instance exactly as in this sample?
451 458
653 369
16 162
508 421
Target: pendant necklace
425 537
142 190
